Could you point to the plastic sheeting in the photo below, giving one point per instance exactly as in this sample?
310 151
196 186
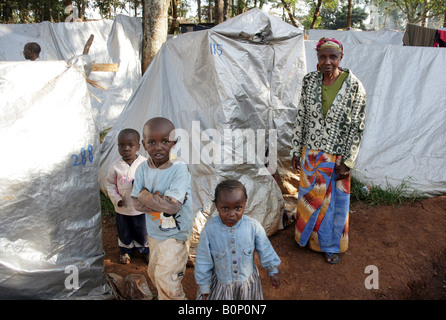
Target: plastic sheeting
115 41
50 230
243 74
404 138
383 36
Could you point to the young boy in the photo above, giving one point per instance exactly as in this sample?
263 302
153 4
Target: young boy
160 188
130 223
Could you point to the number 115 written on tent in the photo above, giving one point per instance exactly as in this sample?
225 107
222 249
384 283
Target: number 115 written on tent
216 48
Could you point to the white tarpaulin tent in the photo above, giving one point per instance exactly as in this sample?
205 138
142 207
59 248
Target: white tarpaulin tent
383 36
50 230
243 74
115 41
404 139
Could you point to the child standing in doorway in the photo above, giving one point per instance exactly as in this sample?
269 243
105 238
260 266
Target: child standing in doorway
224 267
161 189
130 223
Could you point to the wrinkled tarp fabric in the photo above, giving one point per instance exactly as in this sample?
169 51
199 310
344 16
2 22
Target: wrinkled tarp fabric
243 74
383 37
115 41
50 230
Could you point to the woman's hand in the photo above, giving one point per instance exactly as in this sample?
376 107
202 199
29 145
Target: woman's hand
342 171
296 163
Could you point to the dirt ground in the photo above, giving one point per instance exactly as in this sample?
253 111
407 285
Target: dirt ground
405 245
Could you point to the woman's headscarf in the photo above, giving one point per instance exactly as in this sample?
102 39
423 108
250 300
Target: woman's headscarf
329 43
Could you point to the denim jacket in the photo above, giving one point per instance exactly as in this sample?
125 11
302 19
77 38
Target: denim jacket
229 252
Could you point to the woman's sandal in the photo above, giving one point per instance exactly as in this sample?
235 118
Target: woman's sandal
332 258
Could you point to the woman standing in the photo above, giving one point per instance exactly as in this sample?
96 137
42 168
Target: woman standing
326 139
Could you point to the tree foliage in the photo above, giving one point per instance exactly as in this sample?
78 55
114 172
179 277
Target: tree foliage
337 19
419 10
309 13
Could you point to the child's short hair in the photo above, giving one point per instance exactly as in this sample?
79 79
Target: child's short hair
229 185
33 46
129 131
158 121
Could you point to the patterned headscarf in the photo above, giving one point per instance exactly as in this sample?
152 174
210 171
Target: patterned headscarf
329 43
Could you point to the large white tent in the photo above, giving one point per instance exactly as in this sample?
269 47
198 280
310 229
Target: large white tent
115 41
356 36
50 230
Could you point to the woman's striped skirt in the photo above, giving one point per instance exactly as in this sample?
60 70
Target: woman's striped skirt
323 204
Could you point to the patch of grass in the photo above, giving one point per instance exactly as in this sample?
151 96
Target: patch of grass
389 195
103 133
107 208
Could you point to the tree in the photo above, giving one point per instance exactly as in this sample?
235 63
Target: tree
313 19
154 29
23 11
219 11
293 20
419 10
317 10
174 10
337 19
107 9
349 13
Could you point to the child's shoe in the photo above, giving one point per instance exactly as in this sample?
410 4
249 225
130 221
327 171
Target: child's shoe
124 258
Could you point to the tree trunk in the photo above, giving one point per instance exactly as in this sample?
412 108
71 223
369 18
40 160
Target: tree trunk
199 10
290 14
174 16
225 10
444 21
349 13
316 13
210 11
219 9
154 29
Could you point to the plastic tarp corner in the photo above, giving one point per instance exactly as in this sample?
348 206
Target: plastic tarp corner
50 231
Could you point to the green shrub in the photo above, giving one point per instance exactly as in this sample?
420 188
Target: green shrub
389 195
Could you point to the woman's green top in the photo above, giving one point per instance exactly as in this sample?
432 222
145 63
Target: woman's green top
329 92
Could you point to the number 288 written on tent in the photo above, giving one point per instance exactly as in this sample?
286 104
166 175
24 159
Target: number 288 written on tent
83 156
216 48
